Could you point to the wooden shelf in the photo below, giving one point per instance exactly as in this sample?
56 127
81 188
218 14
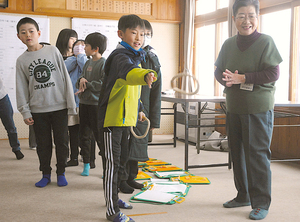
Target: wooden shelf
153 10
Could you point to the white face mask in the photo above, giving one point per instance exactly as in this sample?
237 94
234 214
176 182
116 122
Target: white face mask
147 41
78 49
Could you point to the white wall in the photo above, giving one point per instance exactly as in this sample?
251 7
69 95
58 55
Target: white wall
165 41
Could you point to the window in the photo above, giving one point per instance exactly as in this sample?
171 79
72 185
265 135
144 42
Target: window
205 56
206 47
209 36
275 25
223 35
204 6
223 4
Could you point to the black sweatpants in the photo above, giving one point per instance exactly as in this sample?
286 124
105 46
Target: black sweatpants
116 141
44 124
87 127
74 141
132 169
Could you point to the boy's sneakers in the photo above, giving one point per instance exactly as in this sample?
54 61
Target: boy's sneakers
135 184
120 218
233 203
258 214
19 154
124 205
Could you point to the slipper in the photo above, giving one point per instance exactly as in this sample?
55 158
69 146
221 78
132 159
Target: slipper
233 203
258 214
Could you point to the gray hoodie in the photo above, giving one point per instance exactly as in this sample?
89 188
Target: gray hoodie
43 83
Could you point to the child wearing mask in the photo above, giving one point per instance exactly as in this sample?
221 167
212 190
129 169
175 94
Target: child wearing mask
74 66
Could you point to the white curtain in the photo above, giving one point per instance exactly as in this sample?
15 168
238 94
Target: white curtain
232 31
187 83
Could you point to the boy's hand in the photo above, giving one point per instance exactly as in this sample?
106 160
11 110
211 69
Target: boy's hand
150 78
79 91
82 86
142 116
29 121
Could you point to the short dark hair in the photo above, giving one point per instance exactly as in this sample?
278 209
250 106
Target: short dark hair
62 42
242 3
130 22
27 20
96 39
148 26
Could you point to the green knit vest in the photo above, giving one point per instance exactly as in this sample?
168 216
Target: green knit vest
262 54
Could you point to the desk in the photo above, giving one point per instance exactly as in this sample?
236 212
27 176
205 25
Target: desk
202 104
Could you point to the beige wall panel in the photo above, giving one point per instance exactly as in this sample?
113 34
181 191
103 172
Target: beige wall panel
56 25
166 43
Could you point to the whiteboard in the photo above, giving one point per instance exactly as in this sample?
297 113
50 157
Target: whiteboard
109 28
11 48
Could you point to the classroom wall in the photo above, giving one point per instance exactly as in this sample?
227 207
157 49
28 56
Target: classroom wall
166 43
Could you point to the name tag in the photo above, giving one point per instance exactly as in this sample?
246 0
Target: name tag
89 68
248 87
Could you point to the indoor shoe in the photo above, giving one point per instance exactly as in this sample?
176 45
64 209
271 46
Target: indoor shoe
92 164
44 181
124 205
72 162
233 203
258 214
135 184
19 154
86 170
125 188
122 218
61 180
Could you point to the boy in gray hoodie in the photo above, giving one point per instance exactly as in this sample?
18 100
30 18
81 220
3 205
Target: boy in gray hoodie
44 98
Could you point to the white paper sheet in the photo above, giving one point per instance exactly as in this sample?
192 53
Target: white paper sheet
155 196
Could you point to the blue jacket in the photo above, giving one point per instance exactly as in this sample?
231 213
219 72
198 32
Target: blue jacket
75 66
119 99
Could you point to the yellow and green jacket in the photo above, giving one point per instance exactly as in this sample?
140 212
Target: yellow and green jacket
119 100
